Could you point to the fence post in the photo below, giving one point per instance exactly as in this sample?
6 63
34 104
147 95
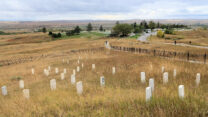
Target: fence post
154 52
188 56
139 50
205 57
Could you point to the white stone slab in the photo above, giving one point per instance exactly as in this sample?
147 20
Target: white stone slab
143 77
65 70
151 84
163 69
174 73
148 94
82 65
33 71
26 93
79 87
53 84
74 71
73 79
181 92
113 70
78 68
93 66
21 84
62 76
4 90
165 77
102 81
198 78
56 70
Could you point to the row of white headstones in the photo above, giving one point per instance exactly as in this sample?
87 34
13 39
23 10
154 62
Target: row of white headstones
79 86
150 88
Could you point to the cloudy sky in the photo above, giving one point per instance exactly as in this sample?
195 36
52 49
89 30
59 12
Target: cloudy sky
28 10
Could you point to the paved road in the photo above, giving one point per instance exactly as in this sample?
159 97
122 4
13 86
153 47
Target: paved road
144 37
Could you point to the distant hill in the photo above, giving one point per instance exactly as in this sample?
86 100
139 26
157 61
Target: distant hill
66 24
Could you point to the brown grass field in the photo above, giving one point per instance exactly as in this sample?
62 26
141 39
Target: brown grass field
123 94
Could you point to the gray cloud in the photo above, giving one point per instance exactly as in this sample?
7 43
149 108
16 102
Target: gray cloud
101 9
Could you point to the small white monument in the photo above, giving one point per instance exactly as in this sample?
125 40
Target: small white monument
143 77
33 71
78 69
163 69
181 92
79 87
93 66
56 70
78 61
198 78
21 84
49 68
148 93
151 84
4 90
74 71
62 76
82 65
165 77
26 93
73 79
102 81
53 84
113 70
174 73
65 70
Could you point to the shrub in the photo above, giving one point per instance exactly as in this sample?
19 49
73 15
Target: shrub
160 34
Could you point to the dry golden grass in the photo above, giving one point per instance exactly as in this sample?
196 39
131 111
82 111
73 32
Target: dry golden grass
123 94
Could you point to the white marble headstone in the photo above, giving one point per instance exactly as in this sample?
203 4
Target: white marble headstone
143 77
174 73
56 70
21 84
78 69
163 69
151 84
73 79
102 81
165 77
198 78
4 90
113 70
181 92
93 66
74 71
62 76
82 65
33 71
53 84
148 93
26 93
79 87
65 70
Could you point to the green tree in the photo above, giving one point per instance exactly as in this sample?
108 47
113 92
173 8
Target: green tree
151 25
101 28
50 33
144 24
137 30
122 30
77 30
44 30
89 27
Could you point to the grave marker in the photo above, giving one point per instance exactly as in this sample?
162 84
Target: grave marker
174 73
49 68
74 71
113 70
148 93
33 71
56 70
181 91
198 78
26 93
151 84
102 81
163 69
78 68
53 84
62 76
165 77
143 77
64 70
93 66
79 87
78 61
21 84
73 79
4 90
82 65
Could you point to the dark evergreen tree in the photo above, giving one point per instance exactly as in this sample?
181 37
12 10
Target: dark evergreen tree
89 27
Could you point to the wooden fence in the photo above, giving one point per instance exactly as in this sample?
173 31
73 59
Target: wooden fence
169 54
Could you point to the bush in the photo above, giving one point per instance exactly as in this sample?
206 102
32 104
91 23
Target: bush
50 33
169 31
160 34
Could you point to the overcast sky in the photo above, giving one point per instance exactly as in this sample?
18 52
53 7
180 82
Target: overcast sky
24 10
